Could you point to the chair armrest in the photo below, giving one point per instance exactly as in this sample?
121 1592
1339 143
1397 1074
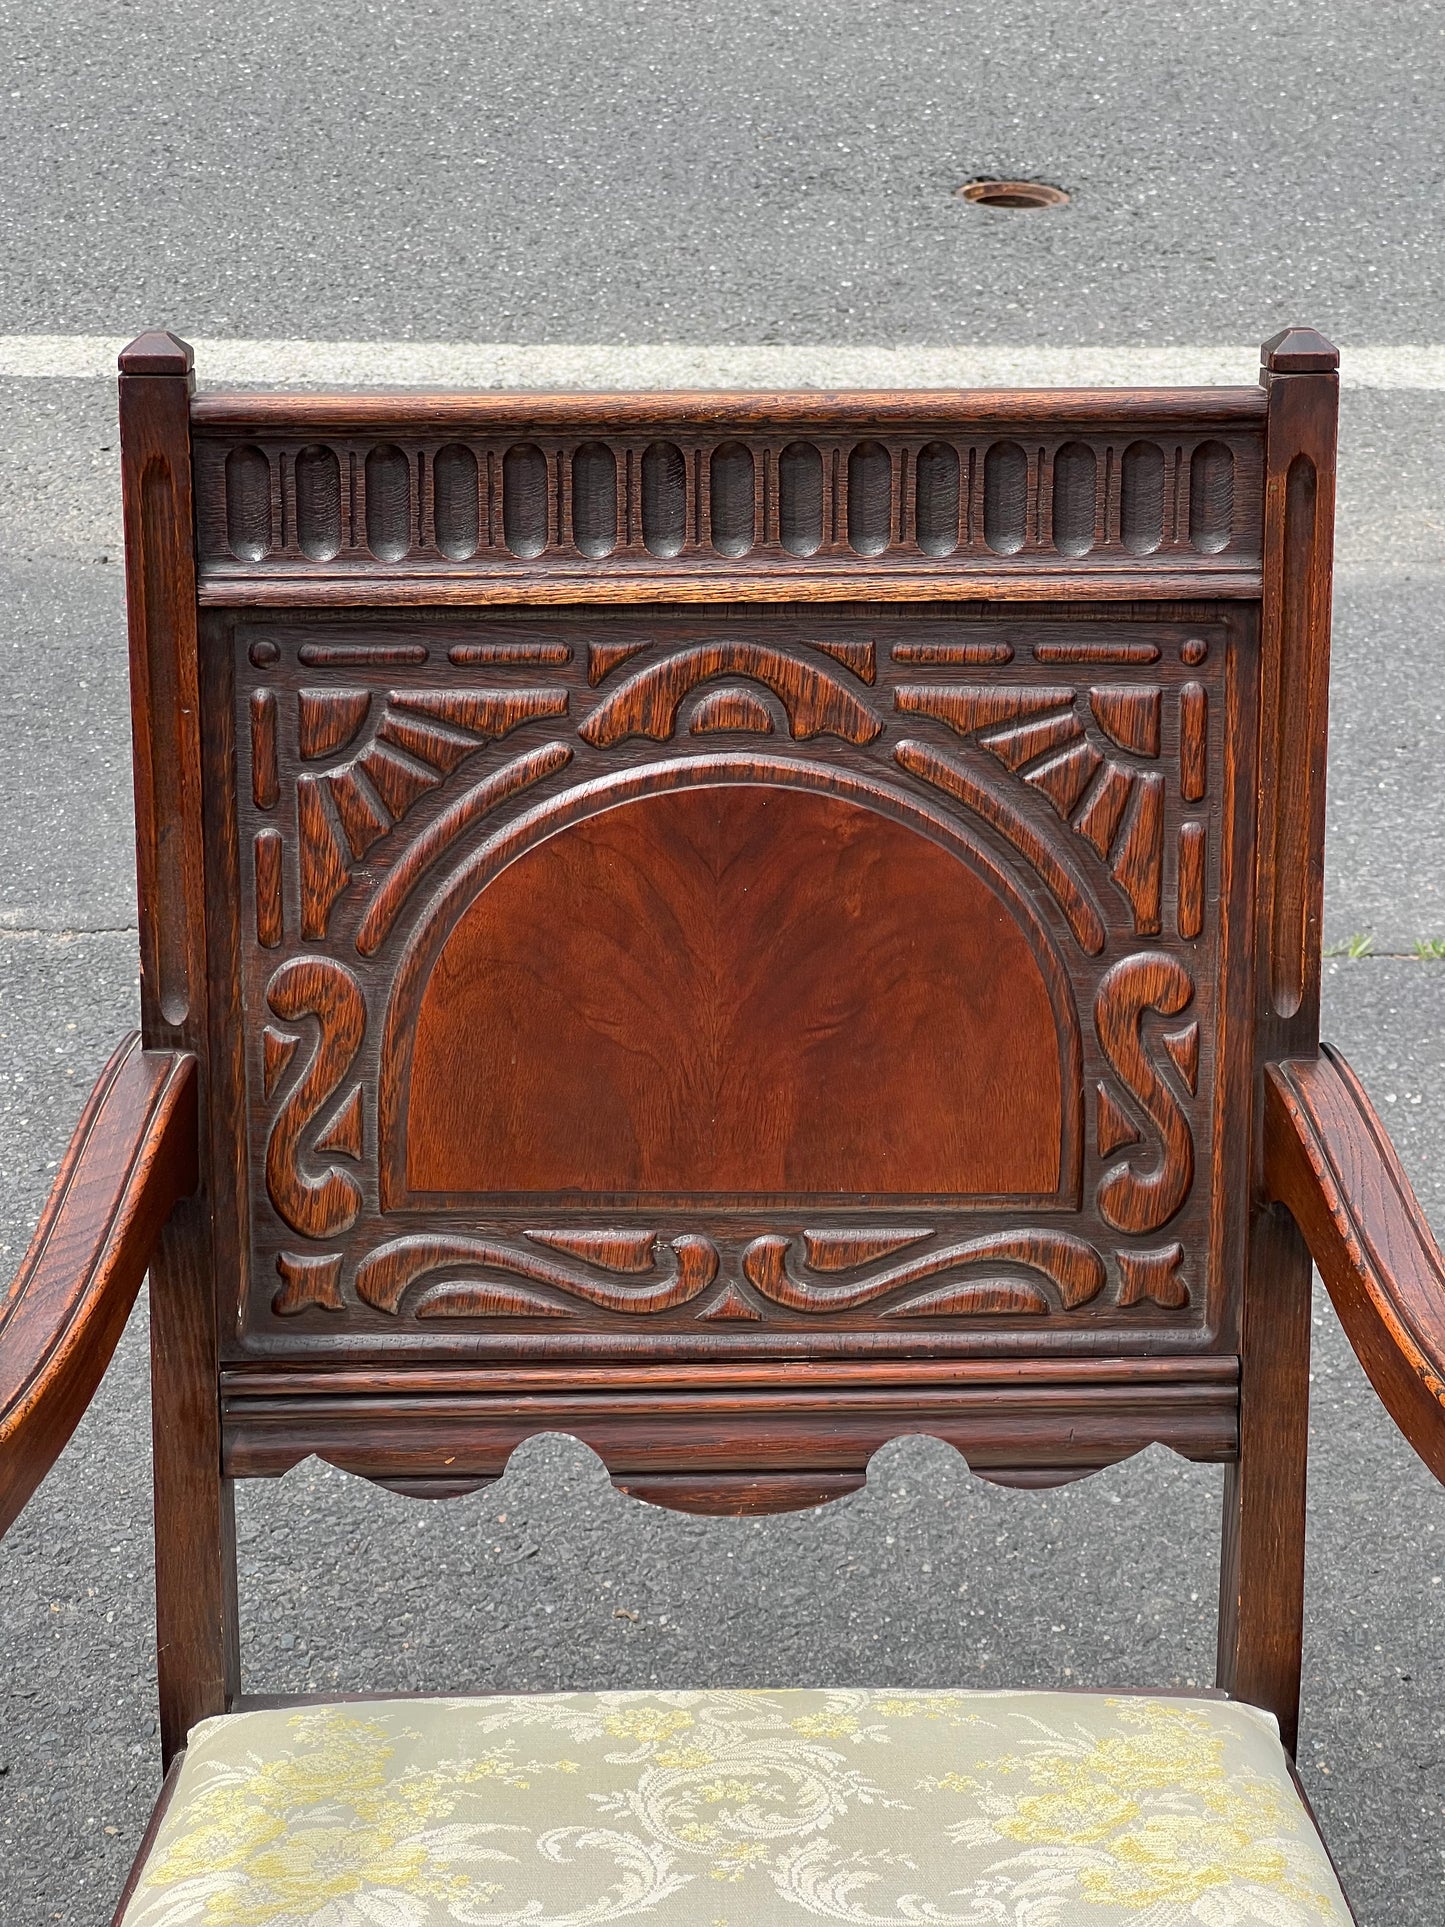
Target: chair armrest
1329 1159
132 1156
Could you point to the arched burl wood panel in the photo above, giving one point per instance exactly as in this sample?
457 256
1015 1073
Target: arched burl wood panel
743 990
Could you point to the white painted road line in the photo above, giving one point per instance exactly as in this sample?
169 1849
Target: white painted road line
482 364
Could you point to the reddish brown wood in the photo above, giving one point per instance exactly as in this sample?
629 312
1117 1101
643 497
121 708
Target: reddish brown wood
197 1651
526 585
704 1024
1262 1570
1017 1432
293 411
1298 534
1134 1199
1193 740
1329 1160
269 851
132 1156
1193 877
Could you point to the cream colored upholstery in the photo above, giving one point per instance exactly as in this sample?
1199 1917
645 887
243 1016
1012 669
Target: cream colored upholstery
740 1809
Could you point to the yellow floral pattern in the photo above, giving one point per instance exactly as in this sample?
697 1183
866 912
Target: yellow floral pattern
737 1809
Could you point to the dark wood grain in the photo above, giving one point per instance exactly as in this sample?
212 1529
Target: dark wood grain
1329 1160
893 781
196 1638
678 996
131 1158
1014 1431
1262 1569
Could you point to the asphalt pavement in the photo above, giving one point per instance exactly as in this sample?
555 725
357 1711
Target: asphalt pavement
635 173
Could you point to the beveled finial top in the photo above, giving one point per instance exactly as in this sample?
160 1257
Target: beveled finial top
1299 351
157 353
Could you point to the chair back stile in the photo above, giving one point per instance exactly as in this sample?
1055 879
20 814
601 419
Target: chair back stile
736 927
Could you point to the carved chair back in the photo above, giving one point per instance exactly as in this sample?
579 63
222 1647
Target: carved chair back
735 927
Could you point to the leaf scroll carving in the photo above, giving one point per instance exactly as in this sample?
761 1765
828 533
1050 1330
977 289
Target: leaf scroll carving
1133 1198
384 1277
1072 1267
318 1206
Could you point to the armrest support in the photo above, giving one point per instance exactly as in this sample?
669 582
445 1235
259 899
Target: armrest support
1329 1159
132 1156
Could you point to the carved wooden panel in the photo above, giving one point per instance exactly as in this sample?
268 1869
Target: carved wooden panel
540 489
674 984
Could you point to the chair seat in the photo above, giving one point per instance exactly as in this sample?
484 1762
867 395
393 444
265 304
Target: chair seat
740 1809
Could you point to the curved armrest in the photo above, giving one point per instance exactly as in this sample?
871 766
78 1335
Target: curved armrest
132 1156
1329 1159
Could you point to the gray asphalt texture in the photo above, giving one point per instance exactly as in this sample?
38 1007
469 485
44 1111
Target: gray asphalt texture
750 173
754 170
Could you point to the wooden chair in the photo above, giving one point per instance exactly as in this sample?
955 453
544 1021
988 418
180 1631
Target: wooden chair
736 927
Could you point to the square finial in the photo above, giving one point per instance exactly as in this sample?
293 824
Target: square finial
157 353
1299 351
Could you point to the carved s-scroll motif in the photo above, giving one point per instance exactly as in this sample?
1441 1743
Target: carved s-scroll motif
383 1278
1074 1268
1132 1199
816 702
316 1206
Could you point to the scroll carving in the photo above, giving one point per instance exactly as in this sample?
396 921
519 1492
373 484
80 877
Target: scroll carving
383 1278
1131 1198
325 1205
847 1249
1072 1267
1113 1127
816 702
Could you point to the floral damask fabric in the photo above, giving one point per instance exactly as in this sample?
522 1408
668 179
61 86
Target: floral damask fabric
740 1809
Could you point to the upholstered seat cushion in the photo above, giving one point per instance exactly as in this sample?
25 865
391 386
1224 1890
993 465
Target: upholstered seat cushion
740 1809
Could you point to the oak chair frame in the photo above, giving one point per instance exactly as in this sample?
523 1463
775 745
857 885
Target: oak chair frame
156 1178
